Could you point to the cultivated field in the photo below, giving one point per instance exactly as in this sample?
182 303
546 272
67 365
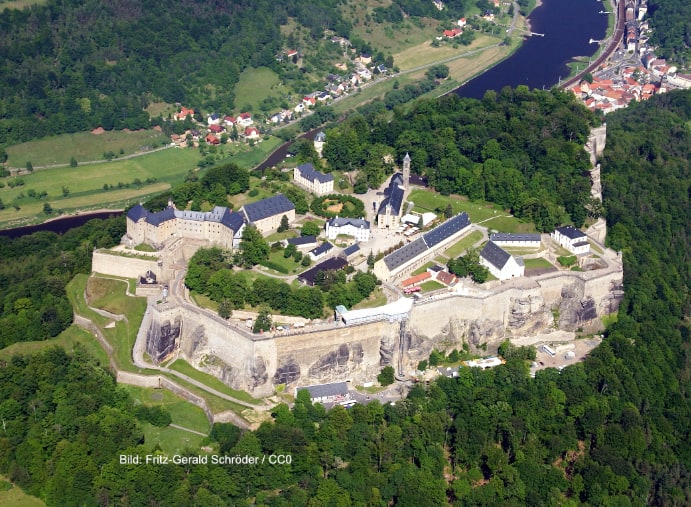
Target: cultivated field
85 184
83 146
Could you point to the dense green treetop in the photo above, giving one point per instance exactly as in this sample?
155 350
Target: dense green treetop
68 65
519 148
671 29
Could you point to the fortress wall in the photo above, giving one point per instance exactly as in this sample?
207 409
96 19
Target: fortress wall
127 267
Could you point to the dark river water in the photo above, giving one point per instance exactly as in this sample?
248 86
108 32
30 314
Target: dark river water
567 25
540 62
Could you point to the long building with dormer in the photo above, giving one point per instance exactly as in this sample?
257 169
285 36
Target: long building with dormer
220 226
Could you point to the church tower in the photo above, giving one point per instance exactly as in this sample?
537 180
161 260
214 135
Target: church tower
406 170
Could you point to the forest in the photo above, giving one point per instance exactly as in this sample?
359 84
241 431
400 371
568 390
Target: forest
612 430
70 66
671 29
519 148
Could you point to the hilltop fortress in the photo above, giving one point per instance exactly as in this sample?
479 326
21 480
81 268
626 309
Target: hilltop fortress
355 345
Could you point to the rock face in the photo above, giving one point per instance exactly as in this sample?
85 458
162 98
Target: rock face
161 338
287 372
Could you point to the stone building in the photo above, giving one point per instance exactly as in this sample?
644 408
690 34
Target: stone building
572 239
355 227
501 263
307 177
266 214
220 226
409 257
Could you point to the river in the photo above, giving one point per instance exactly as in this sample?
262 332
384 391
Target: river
567 25
540 62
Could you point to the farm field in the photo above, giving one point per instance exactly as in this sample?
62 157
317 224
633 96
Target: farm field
85 184
83 146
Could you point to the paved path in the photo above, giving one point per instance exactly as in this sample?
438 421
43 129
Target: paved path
188 430
91 162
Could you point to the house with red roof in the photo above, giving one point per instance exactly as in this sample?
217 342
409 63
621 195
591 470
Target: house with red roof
245 119
251 133
212 139
184 112
215 129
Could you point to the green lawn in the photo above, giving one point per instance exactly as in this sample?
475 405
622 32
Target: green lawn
463 244
423 268
122 336
538 263
69 339
13 496
107 294
431 285
280 264
377 298
83 146
491 215
171 440
85 184
252 157
211 381
255 85
182 412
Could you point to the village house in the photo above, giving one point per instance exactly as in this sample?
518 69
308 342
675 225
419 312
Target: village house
251 133
321 251
245 120
184 113
213 119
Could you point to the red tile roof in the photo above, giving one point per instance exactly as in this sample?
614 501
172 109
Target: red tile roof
416 279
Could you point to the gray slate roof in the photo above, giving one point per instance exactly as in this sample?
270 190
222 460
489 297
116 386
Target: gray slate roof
342 221
351 249
510 236
394 195
332 264
319 391
220 214
276 205
447 229
571 232
322 249
310 173
405 253
495 255
302 240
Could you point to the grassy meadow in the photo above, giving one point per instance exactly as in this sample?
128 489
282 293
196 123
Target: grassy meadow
83 146
490 215
257 84
85 184
13 496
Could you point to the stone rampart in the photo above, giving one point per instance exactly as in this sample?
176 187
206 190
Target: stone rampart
127 267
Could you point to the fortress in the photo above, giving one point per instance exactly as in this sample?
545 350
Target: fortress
355 345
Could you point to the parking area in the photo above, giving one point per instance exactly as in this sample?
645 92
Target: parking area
565 354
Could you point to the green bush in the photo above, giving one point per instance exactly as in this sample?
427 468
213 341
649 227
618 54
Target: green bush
567 260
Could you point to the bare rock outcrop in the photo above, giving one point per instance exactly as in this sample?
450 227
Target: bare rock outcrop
161 338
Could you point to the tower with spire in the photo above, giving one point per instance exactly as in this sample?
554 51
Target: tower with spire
406 170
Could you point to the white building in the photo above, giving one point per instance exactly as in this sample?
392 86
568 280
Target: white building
516 240
355 227
307 177
572 239
501 263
